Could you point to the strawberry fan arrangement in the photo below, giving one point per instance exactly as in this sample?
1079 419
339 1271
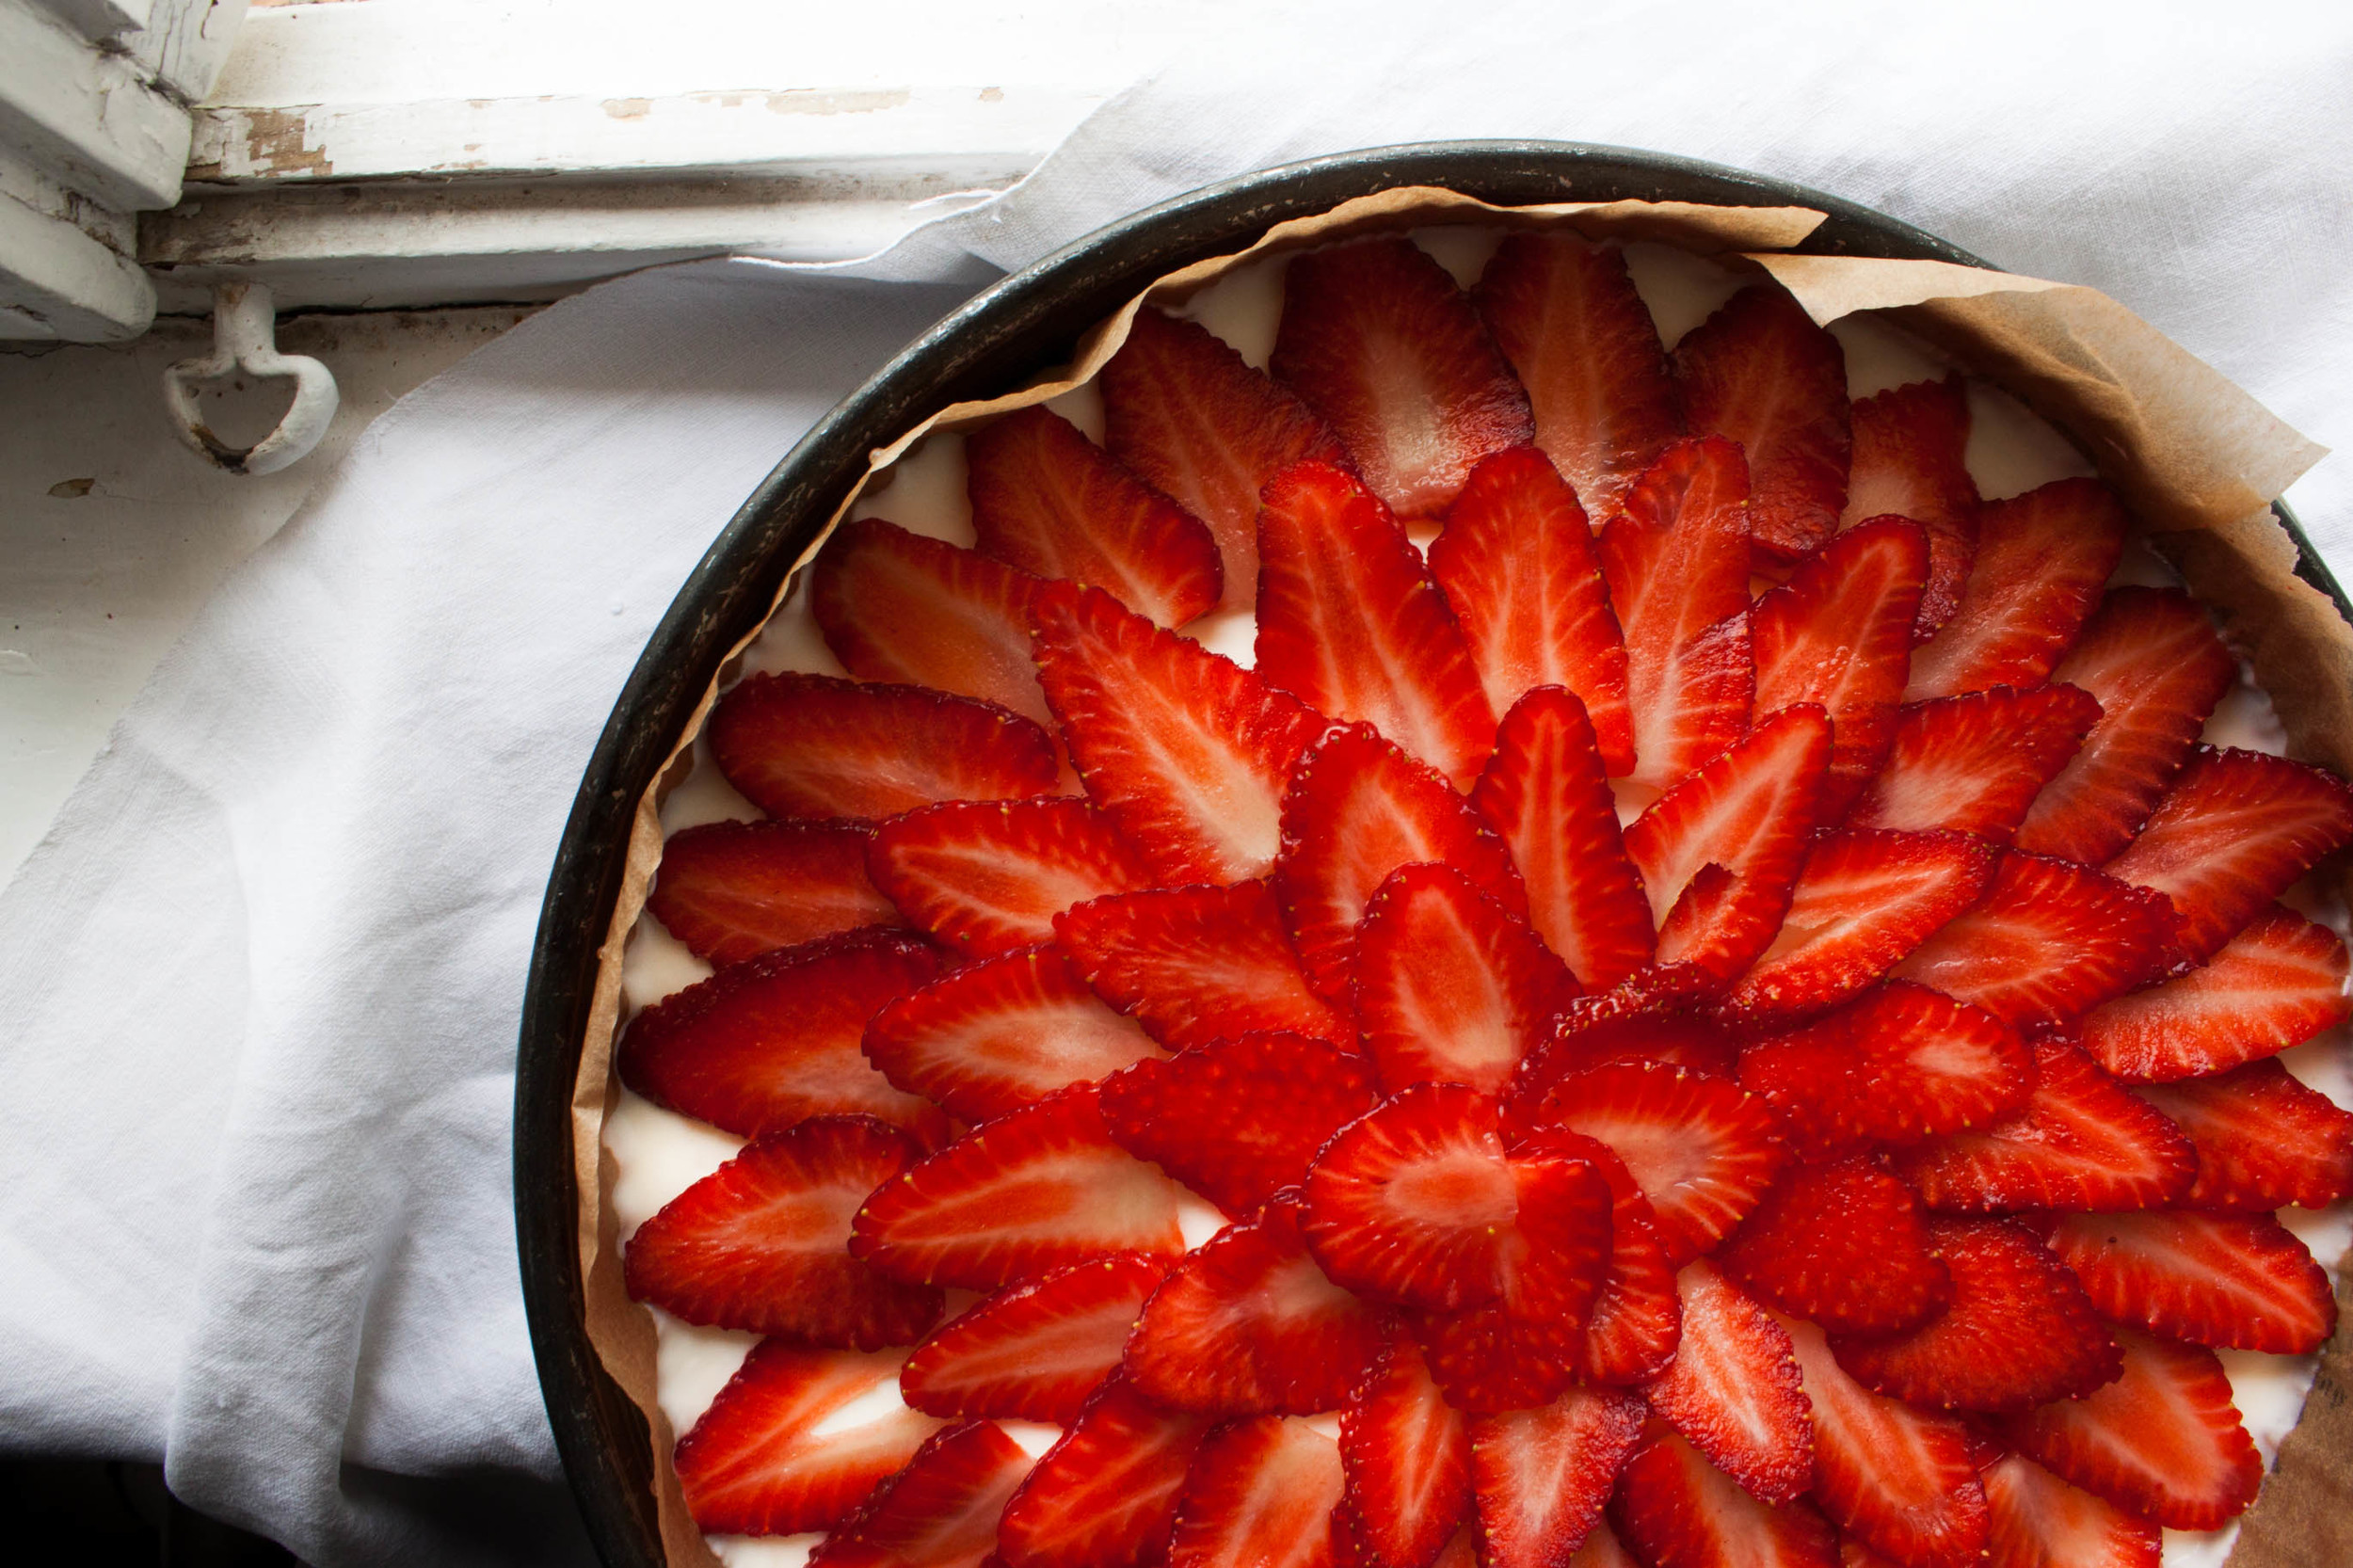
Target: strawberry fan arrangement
1858 1156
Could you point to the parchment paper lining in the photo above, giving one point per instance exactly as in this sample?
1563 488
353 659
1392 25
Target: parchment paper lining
2194 456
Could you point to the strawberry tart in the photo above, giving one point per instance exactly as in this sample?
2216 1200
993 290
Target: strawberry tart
1497 903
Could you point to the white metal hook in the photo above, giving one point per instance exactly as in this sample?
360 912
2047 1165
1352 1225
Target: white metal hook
245 337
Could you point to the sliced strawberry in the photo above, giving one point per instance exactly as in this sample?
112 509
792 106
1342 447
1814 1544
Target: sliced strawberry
1260 1491
997 1035
1041 1187
1911 445
1238 1120
2262 1138
1188 752
1357 809
1676 563
808 746
940 1512
1899 1064
774 1041
2019 1333
1248 1325
2049 940
1732 1389
985 877
1565 314
1451 986
1515 560
1702 1149
2039 1521
1652 1018
2043 558
1677 1511
1637 1321
896 606
1407 1454
1843 1243
1721 924
1206 428
761 1461
2236 828
2078 1143
1751 811
2275 984
2151 659
1541 1476
1198 963
1838 635
1049 500
1864 901
1352 623
732 891
2237 1281
1543 791
1033 1352
1105 1494
1900 1478
1380 342
2163 1441
1761 373
1973 763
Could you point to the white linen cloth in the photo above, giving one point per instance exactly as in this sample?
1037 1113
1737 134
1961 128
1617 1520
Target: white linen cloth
261 982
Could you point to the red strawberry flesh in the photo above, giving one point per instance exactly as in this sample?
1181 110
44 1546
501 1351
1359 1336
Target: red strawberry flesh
1759 372
1911 446
732 891
987 877
1198 963
2041 561
1035 1351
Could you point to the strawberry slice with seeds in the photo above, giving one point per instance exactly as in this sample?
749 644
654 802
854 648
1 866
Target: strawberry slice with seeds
1248 1325
995 1036
2275 984
1207 430
1863 902
1451 986
1352 623
2237 1280
758 1244
1973 763
2020 1330
1238 1120
810 746
1565 314
1261 1492
1543 791
2048 941
1105 1494
1759 372
768 1457
1637 1321
2163 1441
1051 502
1721 924
2079 1143
940 1512
1911 446
1033 1352
898 607
1030 1192
2151 659
1838 635
1677 1511
1186 751
2262 1138
2043 560
985 877
774 1040
2236 828
2039 1521
1900 1478
1515 561
1733 1390
1378 340
1676 563
1541 1476
1844 1244
1198 963
732 891
1651 1018
1407 1456
1899 1064
1751 811
1357 809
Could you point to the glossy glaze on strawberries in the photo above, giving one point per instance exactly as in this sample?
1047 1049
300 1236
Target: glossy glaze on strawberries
1628 1008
